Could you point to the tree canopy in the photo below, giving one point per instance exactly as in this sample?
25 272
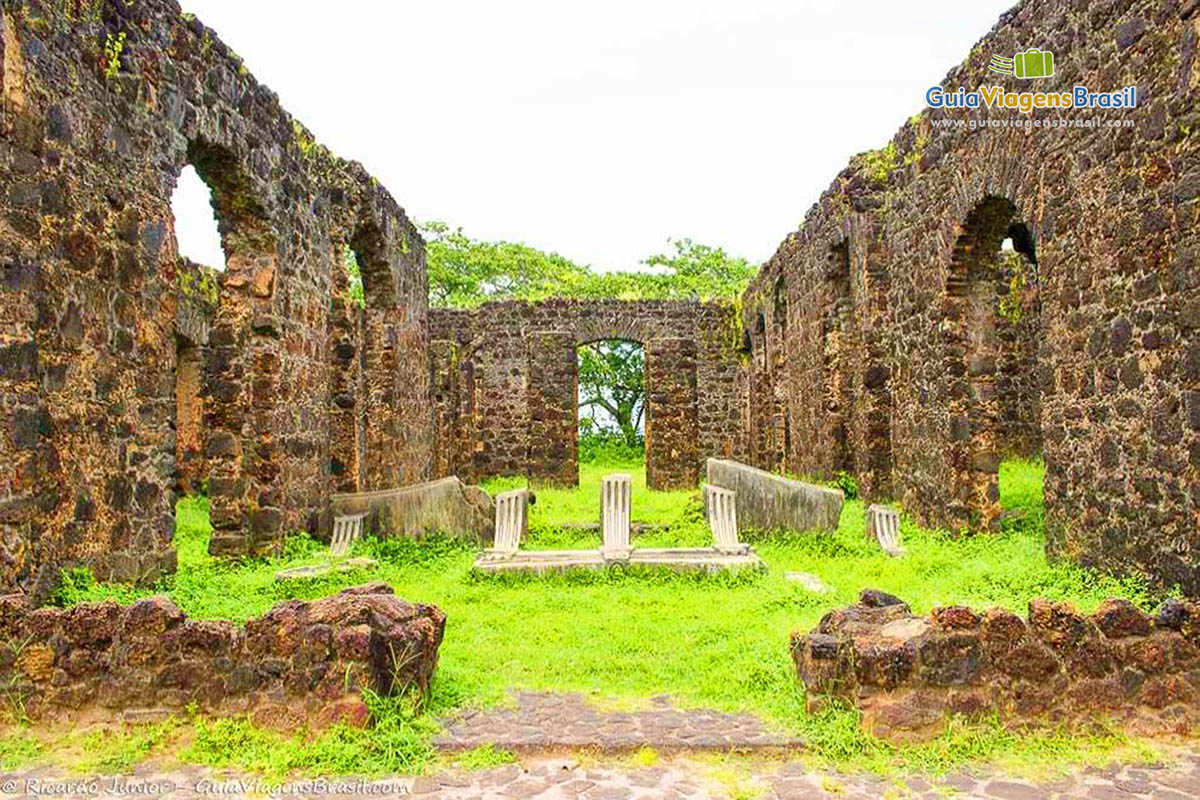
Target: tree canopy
466 272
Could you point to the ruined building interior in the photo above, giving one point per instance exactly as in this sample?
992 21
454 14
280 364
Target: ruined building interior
979 293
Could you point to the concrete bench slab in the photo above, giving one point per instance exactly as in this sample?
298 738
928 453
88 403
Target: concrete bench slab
446 506
771 502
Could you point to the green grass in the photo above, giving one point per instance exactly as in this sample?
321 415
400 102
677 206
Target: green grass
19 748
716 642
581 505
485 757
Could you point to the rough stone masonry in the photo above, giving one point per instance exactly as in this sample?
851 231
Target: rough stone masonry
909 674
300 664
116 358
961 294
897 337
505 385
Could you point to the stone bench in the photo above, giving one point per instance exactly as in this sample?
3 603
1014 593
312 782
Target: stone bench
616 506
769 502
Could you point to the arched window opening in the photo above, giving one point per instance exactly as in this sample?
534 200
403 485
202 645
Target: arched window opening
196 232
612 401
838 330
347 373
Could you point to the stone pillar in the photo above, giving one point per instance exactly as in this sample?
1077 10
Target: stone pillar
721 507
511 520
616 501
382 470
189 417
24 449
347 407
672 456
553 397
225 416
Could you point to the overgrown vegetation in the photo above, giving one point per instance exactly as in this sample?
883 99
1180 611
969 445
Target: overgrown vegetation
714 642
880 164
466 272
113 47
612 390
609 447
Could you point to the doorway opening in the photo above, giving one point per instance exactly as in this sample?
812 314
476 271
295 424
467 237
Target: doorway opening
994 320
612 402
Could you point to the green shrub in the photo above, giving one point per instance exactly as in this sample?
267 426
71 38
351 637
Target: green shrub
846 482
610 447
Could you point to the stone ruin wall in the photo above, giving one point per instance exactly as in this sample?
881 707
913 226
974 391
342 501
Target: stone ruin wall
505 385
872 342
922 377
908 675
302 664
303 391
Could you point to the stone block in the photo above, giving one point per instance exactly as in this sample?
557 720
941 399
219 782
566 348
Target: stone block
446 506
771 502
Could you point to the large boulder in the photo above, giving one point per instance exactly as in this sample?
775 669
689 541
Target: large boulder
771 502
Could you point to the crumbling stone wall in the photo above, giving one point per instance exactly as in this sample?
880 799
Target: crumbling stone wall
1100 370
505 380
103 105
302 664
909 674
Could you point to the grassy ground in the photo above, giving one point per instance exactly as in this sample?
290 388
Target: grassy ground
718 642
578 506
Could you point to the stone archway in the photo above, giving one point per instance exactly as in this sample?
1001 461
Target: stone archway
974 352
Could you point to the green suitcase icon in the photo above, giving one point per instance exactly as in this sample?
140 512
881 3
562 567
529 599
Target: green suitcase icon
1034 64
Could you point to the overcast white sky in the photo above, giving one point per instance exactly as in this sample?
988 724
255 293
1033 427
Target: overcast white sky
599 130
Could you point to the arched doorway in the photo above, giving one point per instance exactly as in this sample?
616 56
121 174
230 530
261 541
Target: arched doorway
990 344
